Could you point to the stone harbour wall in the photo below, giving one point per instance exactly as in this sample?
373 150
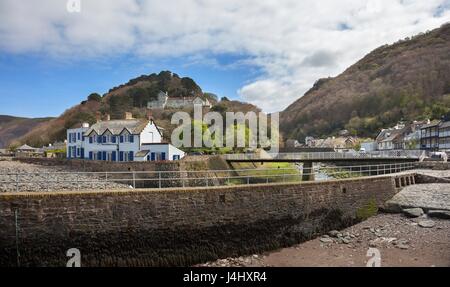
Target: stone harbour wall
178 227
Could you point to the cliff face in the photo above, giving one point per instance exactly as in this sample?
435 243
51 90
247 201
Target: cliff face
404 81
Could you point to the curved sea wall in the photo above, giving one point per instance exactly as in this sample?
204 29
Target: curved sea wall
178 227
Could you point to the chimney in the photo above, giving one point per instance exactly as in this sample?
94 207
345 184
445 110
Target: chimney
98 116
108 117
85 125
128 116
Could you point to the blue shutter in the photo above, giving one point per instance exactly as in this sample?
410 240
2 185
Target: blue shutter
121 156
99 155
113 139
131 156
104 155
91 155
121 139
90 140
104 139
163 156
113 156
153 156
131 138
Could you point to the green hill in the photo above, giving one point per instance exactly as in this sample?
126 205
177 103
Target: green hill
404 81
130 97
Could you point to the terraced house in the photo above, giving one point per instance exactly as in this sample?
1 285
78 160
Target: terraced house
120 141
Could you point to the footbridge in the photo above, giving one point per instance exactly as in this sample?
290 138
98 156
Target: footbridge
400 155
338 158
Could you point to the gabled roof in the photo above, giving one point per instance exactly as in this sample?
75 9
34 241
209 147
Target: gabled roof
390 134
445 125
26 147
430 125
134 126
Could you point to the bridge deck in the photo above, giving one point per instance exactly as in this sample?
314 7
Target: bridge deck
327 156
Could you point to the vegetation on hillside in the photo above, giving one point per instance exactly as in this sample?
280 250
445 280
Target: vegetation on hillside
409 80
12 128
130 97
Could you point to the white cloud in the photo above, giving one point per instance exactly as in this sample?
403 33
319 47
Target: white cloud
293 42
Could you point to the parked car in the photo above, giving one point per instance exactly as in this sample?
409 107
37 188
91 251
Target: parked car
438 155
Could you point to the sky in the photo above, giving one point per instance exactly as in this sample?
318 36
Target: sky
266 52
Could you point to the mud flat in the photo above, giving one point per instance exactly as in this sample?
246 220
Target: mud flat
401 242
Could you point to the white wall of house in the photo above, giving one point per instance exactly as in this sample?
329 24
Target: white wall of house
122 147
75 143
150 134
113 147
385 145
369 146
162 151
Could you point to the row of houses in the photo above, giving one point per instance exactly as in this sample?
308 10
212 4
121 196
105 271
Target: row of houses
340 143
123 140
423 135
436 136
51 151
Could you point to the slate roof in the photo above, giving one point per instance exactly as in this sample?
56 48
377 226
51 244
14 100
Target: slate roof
134 126
26 147
432 124
445 125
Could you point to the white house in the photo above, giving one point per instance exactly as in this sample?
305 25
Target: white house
75 141
120 140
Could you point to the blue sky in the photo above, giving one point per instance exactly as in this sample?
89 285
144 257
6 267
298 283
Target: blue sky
37 86
266 52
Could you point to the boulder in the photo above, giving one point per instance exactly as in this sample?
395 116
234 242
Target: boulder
333 233
413 212
427 223
326 240
443 214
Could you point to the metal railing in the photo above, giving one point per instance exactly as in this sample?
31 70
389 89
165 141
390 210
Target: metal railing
391 154
48 181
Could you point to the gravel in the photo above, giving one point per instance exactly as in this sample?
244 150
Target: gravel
40 178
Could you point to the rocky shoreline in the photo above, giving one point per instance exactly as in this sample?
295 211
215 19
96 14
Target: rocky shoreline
401 240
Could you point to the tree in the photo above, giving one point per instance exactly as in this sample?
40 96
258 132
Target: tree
94 97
